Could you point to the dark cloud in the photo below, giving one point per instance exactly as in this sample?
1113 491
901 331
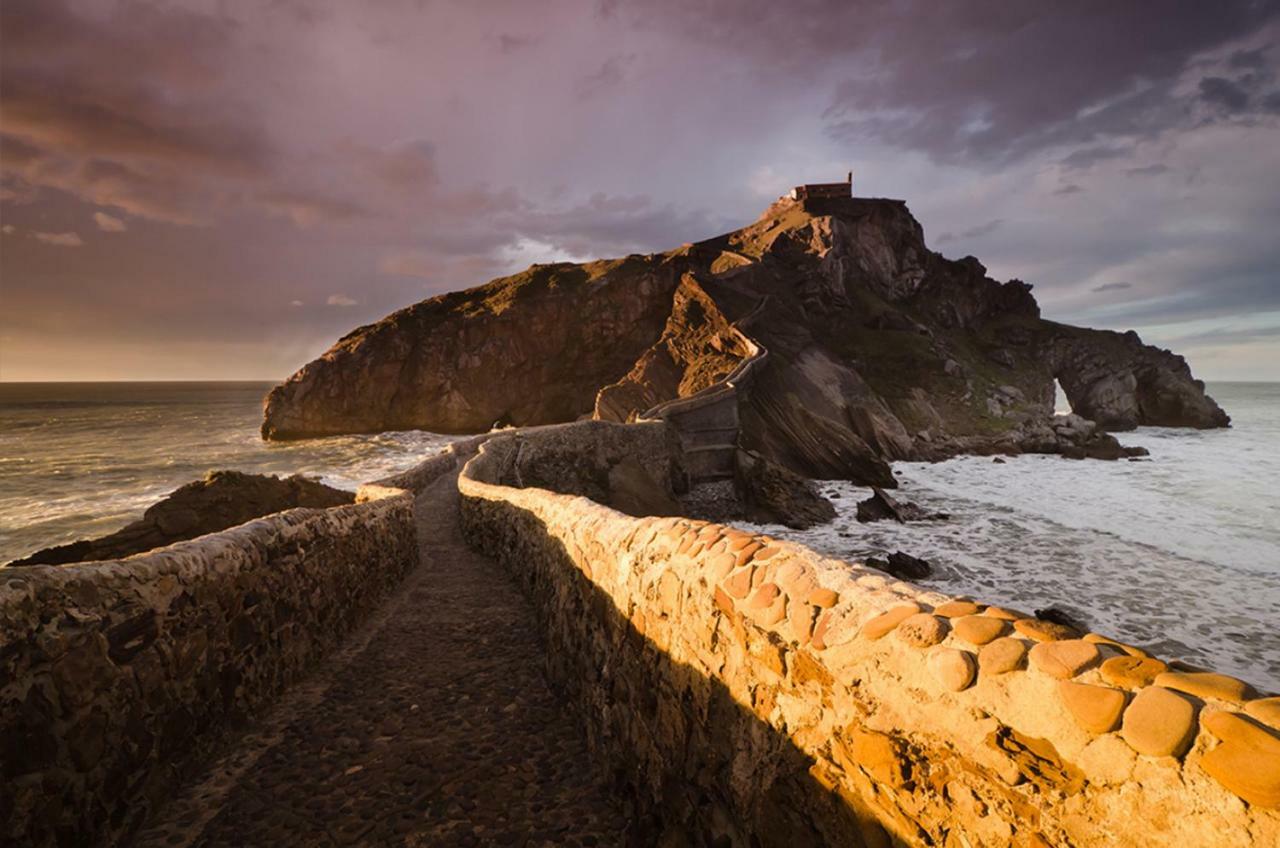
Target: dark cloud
1087 157
1224 93
1249 59
971 233
1069 188
1148 170
985 81
508 43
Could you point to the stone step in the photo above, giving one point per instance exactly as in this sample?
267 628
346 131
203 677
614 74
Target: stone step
708 438
713 461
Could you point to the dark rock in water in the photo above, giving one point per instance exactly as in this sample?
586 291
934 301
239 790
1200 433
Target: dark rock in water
222 499
881 506
772 494
902 565
1059 615
998 460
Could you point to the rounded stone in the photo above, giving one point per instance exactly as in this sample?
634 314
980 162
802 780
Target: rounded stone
1119 646
956 609
1003 613
764 596
922 630
1159 723
1132 672
885 622
1097 709
1044 631
1248 760
720 565
746 554
954 669
1265 710
739 584
1002 655
1064 659
825 598
1206 684
978 629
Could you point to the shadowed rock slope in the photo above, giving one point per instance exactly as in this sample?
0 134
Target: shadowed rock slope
879 349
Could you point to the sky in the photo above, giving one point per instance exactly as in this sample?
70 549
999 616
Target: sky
213 189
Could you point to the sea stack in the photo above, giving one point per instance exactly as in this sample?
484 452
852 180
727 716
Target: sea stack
878 349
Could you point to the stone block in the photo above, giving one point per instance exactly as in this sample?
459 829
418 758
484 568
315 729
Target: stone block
1159 723
1097 709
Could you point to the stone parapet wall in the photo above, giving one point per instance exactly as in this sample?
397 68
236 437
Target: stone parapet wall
119 678
745 688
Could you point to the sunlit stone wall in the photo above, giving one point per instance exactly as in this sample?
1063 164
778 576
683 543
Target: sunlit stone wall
739 686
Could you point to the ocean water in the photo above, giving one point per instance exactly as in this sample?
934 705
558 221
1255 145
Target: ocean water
1179 553
84 459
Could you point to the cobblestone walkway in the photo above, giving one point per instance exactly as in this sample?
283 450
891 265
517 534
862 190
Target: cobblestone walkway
433 726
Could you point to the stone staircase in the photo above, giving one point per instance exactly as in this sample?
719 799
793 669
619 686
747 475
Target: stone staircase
707 422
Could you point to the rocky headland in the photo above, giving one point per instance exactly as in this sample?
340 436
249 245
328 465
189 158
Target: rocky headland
878 349
222 499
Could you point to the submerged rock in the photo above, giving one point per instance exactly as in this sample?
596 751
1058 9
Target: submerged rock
222 499
902 565
881 506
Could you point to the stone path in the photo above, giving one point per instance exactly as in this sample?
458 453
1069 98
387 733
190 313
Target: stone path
433 726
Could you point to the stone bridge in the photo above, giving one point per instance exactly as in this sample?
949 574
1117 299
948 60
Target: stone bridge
464 658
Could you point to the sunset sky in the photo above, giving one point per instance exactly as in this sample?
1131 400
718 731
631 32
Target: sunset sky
218 190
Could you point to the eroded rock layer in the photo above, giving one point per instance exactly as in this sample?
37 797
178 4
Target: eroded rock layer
878 349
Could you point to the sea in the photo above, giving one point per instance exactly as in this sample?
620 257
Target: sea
84 459
1178 552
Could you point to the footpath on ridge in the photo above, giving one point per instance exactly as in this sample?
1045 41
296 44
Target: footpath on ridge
433 725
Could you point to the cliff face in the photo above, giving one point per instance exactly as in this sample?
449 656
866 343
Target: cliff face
532 348
879 349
